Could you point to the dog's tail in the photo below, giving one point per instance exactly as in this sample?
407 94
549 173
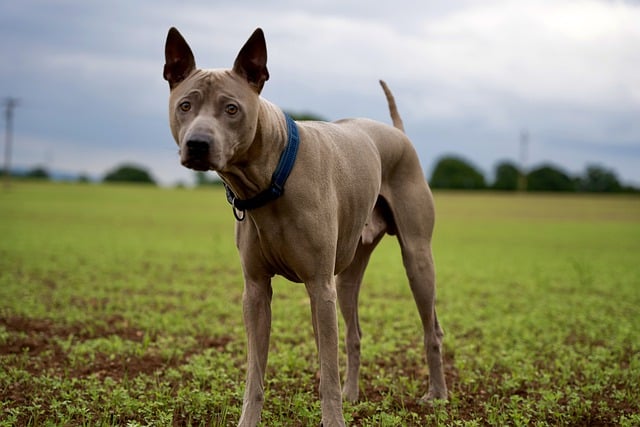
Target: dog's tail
393 109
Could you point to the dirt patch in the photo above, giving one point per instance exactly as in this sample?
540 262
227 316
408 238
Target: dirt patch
43 330
38 339
26 335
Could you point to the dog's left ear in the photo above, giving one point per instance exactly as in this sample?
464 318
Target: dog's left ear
179 60
251 62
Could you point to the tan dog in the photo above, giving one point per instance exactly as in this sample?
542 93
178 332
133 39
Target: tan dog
351 182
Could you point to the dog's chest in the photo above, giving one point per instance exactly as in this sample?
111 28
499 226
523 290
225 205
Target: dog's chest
295 249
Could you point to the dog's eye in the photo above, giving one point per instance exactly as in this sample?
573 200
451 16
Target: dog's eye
185 106
231 109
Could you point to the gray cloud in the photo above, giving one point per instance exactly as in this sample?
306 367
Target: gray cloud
468 76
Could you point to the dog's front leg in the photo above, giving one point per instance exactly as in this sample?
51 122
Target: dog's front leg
325 326
256 308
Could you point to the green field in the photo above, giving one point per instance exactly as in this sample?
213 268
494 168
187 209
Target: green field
120 305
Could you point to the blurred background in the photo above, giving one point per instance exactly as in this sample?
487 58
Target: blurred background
501 90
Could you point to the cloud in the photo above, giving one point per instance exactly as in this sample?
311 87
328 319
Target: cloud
468 76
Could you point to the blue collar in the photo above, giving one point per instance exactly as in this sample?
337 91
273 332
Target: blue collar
278 179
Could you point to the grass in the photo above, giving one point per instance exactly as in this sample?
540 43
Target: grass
120 305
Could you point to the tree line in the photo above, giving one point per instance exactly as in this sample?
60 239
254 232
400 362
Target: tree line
455 173
449 173
126 173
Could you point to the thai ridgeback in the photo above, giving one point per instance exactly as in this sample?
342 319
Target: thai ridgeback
348 183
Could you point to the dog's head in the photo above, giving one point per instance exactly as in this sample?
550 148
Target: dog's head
213 114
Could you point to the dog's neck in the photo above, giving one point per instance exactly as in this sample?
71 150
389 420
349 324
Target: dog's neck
247 175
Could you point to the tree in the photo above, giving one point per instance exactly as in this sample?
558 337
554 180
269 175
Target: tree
129 173
455 173
598 179
549 178
83 178
507 175
37 173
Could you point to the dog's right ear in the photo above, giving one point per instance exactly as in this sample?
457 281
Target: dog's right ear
251 62
179 60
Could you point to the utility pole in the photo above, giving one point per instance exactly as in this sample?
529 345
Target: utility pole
524 150
9 104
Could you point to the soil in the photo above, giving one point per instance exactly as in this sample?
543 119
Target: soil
37 338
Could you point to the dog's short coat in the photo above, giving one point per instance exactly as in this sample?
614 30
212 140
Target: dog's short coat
353 181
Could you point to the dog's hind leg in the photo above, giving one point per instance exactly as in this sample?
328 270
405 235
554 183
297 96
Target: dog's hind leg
348 285
414 223
411 204
421 275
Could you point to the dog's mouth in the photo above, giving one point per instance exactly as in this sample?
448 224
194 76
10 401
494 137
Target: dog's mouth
195 155
201 165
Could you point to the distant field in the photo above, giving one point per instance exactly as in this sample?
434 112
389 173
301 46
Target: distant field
120 305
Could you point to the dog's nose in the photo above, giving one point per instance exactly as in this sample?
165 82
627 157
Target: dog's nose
197 148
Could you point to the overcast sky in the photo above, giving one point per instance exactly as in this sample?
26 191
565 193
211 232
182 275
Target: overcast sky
468 76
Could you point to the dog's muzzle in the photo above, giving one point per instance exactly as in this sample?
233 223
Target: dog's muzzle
196 154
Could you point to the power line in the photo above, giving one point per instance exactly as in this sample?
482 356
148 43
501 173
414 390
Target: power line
9 104
524 151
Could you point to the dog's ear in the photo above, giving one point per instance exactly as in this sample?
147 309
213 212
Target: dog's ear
179 60
251 62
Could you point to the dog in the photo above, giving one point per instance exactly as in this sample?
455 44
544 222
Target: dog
311 200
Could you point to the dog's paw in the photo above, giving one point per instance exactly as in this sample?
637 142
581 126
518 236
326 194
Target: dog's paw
434 397
350 394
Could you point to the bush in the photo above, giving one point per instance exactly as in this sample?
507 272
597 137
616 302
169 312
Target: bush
37 173
549 178
456 173
507 176
598 179
129 173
